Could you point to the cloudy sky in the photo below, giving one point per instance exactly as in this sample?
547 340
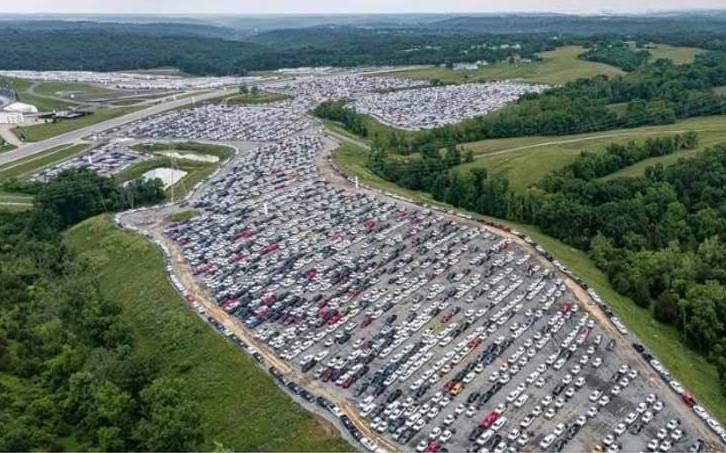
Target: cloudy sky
347 6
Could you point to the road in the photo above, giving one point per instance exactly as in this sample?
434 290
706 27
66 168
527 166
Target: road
31 149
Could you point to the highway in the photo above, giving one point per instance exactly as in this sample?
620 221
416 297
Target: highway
31 149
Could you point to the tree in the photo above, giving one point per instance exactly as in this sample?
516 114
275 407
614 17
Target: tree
171 422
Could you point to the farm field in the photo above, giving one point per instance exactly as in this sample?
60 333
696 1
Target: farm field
690 368
558 66
241 408
524 160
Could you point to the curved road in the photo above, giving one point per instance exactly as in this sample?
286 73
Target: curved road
31 149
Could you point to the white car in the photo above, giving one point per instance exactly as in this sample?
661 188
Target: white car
547 441
499 423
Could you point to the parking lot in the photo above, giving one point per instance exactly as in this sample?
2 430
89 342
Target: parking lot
442 335
222 123
106 160
430 107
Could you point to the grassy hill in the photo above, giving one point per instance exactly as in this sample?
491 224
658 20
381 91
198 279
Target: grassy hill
557 66
524 160
241 407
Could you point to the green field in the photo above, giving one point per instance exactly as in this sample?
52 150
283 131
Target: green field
525 160
679 55
557 66
241 408
45 131
29 165
692 369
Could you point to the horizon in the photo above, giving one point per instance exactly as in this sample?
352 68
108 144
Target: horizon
369 7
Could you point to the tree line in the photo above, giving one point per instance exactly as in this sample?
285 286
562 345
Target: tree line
71 376
590 165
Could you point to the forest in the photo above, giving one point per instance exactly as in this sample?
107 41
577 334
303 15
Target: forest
107 48
71 376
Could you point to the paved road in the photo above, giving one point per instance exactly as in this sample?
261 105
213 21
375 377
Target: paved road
31 149
8 136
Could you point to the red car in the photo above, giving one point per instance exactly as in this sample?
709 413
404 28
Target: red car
489 420
688 399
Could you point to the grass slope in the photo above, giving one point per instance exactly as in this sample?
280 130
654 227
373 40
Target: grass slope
524 160
557 66
241 407
692 369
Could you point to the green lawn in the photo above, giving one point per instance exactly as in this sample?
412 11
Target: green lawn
558 66
29 165
679 55
692 369
525 160
45 131
241 408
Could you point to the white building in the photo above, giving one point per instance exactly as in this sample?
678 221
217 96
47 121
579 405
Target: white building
11 117
20 107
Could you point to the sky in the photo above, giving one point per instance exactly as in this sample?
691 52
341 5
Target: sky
346 6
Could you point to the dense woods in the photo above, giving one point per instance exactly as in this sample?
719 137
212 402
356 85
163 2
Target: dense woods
111 48
71 376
